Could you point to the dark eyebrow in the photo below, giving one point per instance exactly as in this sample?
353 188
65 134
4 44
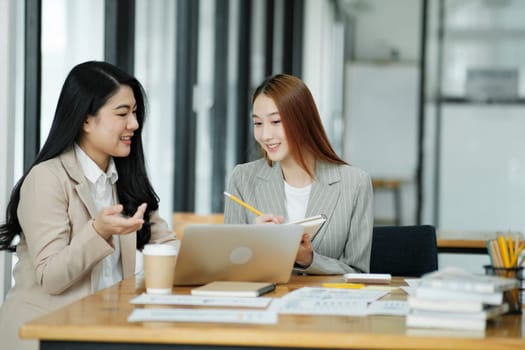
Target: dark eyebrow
268 115
124 106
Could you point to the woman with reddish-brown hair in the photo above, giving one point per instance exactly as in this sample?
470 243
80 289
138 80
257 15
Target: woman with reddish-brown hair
301 176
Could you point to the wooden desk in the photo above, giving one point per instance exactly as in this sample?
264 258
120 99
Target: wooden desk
471 242
99 322
182 219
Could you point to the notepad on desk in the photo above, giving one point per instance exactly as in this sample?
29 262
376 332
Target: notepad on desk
311 225
475 320
233 289
372 278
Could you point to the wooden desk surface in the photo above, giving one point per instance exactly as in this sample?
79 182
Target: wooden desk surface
102 317
465 239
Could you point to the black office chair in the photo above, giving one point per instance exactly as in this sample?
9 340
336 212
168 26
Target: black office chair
407 251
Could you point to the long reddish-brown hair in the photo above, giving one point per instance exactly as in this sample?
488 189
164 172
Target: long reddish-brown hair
300 119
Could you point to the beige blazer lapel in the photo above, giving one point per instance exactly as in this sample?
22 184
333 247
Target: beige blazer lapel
74 170
86 198
70 163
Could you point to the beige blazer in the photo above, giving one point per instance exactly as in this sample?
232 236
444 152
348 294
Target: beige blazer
60 254
343 193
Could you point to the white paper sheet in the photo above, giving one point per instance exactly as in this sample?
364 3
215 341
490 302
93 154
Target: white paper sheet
174 299
388 307
409 290
412 282
328 301
203 315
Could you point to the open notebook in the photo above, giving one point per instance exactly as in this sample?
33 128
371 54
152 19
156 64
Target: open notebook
250 253
311 225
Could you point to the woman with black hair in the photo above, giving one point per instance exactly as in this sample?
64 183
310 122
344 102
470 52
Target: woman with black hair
85 204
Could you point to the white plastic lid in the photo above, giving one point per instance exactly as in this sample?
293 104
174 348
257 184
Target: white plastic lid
160 249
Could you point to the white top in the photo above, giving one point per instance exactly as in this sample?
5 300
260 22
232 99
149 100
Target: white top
101 186
296 201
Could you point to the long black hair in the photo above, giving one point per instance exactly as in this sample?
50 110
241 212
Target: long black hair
87 88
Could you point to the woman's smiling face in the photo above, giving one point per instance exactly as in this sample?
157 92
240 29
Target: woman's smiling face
268 129
109 132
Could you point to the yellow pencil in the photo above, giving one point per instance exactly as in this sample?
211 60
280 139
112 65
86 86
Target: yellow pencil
517 246
514 261
504 250
510 244
246 205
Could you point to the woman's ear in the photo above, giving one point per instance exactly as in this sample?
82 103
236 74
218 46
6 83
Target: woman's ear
86 127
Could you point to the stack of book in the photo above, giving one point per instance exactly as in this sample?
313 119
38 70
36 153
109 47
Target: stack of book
455 299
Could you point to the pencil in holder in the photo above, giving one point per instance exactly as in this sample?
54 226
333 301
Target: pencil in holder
512 297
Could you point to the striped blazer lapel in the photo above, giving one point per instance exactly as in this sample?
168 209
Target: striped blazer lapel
325 192
269 191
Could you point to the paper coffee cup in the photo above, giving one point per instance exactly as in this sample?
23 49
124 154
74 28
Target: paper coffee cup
159 266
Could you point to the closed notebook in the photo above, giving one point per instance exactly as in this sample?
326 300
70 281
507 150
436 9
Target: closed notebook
452 278
445 305
454 320
234 289
373 278
493 298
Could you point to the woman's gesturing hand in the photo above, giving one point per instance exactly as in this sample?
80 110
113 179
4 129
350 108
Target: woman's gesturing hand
110 221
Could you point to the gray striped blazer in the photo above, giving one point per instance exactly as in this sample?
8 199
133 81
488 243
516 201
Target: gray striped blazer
342 192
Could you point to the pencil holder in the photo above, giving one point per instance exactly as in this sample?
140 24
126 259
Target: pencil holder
513 297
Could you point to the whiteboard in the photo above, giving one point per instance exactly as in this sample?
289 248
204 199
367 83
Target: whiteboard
482 175
381 122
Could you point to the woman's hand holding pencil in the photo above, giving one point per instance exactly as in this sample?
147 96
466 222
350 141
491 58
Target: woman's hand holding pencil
261 218
269 219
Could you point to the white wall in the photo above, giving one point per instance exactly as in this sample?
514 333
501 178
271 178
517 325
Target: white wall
383 26
482 175
381 96
7 49
154 50
66 43
323 63
318 17
381 118
381 129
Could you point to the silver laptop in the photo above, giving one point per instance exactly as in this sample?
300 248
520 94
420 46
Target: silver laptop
259 253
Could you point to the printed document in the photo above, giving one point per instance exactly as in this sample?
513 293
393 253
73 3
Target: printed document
203 315
328 301
174 299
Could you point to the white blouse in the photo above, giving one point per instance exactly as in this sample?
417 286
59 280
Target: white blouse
101 186
296 201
